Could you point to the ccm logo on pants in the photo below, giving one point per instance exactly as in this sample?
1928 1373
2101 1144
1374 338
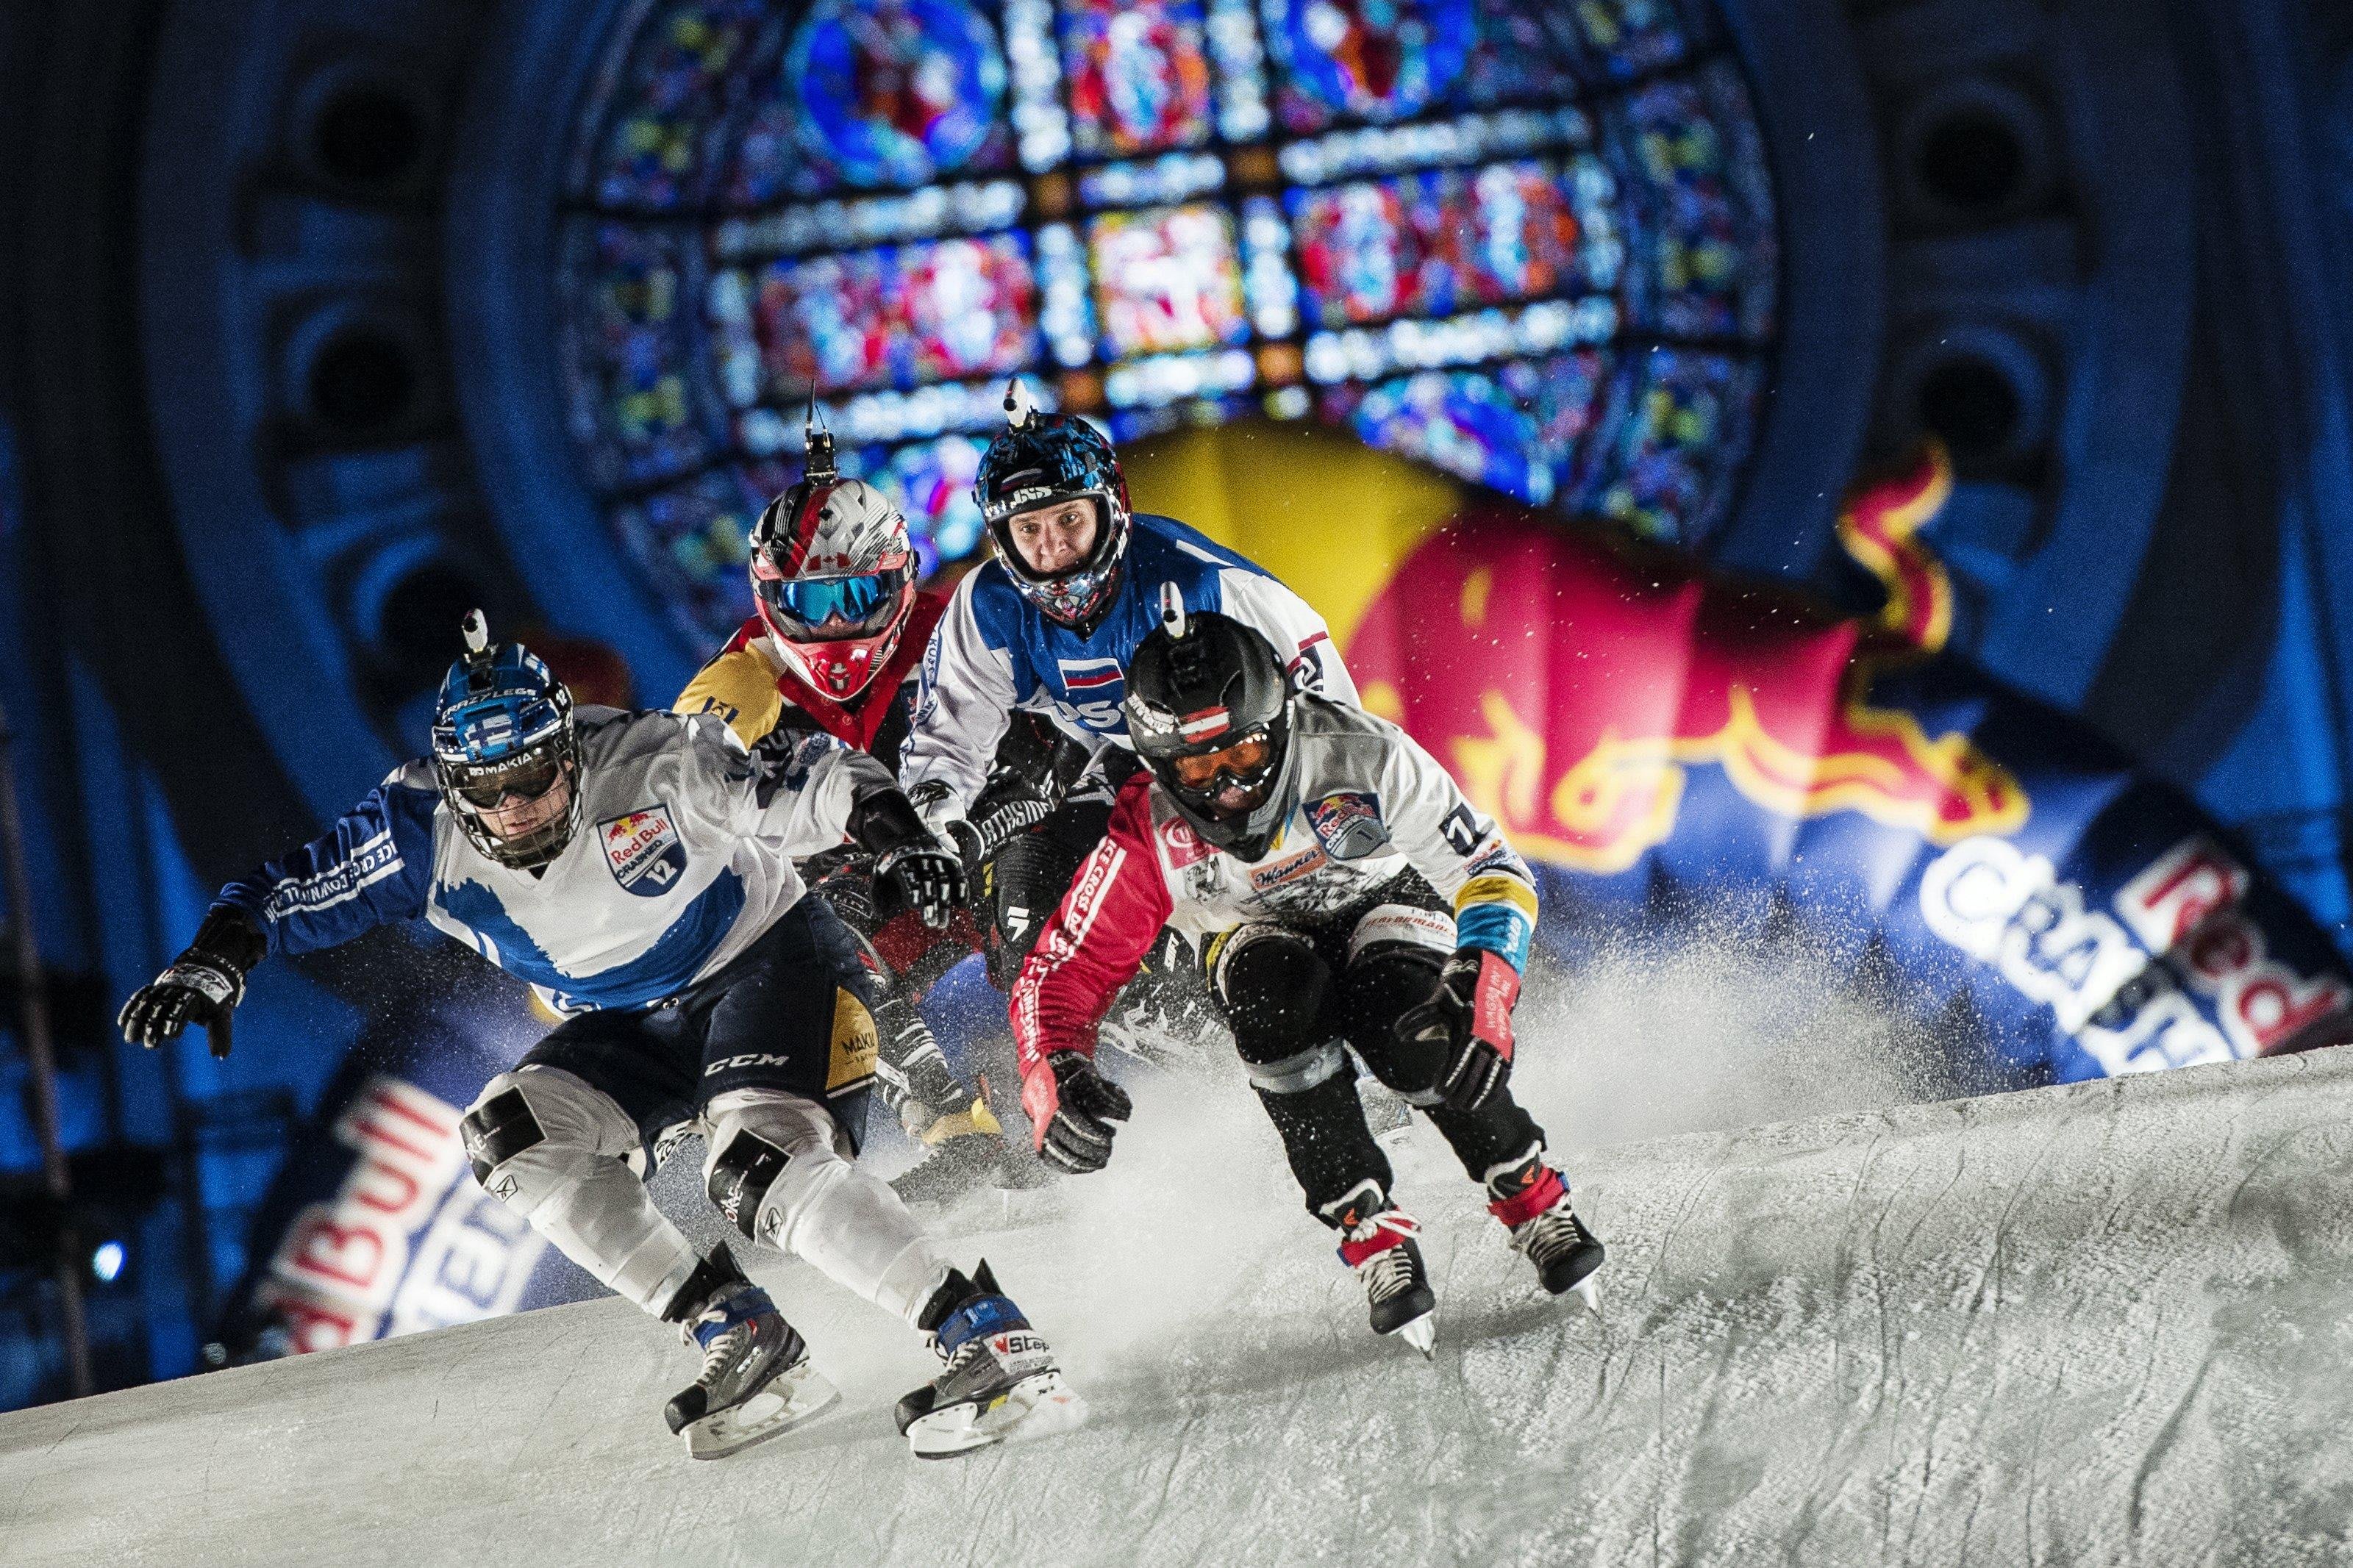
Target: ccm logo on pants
758 1059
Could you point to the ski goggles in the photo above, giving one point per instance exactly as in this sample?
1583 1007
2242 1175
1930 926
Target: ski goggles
486 789
826 609
1245 759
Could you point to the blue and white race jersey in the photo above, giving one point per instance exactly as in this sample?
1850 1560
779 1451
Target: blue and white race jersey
993 652
684 856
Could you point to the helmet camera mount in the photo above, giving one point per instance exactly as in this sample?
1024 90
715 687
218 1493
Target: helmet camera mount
475 628
1172 611
1020 409
817 442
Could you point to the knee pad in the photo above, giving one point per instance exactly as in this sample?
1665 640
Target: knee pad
535 1130
1274 988
779 1171
756 1136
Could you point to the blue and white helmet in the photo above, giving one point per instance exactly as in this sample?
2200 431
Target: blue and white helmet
1037 460
503 733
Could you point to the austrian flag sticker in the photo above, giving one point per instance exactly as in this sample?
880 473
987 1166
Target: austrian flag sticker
644 850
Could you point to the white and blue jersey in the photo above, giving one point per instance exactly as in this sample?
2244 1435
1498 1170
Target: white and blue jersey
993 652
683 858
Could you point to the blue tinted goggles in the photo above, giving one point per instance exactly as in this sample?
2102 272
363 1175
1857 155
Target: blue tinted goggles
827 609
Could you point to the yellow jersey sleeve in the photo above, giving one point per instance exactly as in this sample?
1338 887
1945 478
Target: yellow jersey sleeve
741 688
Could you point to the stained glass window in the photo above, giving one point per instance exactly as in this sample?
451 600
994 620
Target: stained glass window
1137 75
1528 241
656 145
633 385
1368 59
898 317
1167 281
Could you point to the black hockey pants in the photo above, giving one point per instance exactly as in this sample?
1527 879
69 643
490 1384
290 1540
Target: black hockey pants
1294 992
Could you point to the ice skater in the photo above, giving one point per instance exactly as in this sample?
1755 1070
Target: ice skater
1047 626
837 630
637 869
1342 894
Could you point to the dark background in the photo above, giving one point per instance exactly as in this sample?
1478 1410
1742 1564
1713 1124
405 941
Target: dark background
277 402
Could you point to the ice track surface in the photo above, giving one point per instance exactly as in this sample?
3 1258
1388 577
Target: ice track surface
2105 1324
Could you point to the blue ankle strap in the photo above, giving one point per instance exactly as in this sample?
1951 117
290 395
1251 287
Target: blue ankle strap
980 1316
742 1305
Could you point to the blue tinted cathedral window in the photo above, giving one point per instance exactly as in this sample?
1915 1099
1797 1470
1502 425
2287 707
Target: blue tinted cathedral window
1528 242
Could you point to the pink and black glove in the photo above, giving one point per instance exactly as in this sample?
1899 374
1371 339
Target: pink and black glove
1072 1110
1468 1017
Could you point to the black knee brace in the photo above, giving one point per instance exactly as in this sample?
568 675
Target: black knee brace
740 1177
1275 990
497 1131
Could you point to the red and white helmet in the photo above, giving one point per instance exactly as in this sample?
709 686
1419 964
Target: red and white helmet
834 572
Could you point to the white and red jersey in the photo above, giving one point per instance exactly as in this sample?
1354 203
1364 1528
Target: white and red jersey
1368 804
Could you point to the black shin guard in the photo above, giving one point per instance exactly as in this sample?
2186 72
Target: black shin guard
1324 1135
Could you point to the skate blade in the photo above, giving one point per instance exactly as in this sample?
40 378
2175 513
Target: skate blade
792 1399
1421 1334
1037 1406
1587 1290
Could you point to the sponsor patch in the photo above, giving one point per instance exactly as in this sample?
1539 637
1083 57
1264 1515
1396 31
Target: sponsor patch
1276 872
1402 923
1498 855
644 850
1185 846
855 1047
1349 823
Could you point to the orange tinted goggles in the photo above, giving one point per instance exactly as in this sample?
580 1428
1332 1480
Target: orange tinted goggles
1242 759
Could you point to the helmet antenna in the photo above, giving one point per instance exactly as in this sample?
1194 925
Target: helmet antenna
1019 408
1172 611
817 442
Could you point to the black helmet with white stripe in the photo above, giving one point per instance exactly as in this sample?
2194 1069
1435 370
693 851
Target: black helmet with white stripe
1208 709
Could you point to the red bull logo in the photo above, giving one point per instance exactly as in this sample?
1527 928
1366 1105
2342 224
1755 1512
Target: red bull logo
1571 689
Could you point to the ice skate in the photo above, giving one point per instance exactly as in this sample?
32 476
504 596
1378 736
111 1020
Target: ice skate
932 1103
1000 1383
756 1378
1377 1241
1532 1201
969 1154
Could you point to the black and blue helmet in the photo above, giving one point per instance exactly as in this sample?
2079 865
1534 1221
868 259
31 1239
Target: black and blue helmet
1037 460
503 733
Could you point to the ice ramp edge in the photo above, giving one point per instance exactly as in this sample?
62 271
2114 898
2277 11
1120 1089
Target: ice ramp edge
2109 1322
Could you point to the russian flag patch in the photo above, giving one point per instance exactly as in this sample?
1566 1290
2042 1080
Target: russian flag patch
1090 674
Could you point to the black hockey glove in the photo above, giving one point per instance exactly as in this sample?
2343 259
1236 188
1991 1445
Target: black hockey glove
1071 1108
908 858
1468 1017
204 985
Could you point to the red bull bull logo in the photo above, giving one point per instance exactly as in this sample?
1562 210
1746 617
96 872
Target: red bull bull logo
1571 689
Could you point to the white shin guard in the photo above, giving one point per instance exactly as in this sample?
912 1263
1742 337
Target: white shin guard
848 1223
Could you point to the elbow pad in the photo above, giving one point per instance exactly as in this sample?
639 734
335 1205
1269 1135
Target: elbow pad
881 819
